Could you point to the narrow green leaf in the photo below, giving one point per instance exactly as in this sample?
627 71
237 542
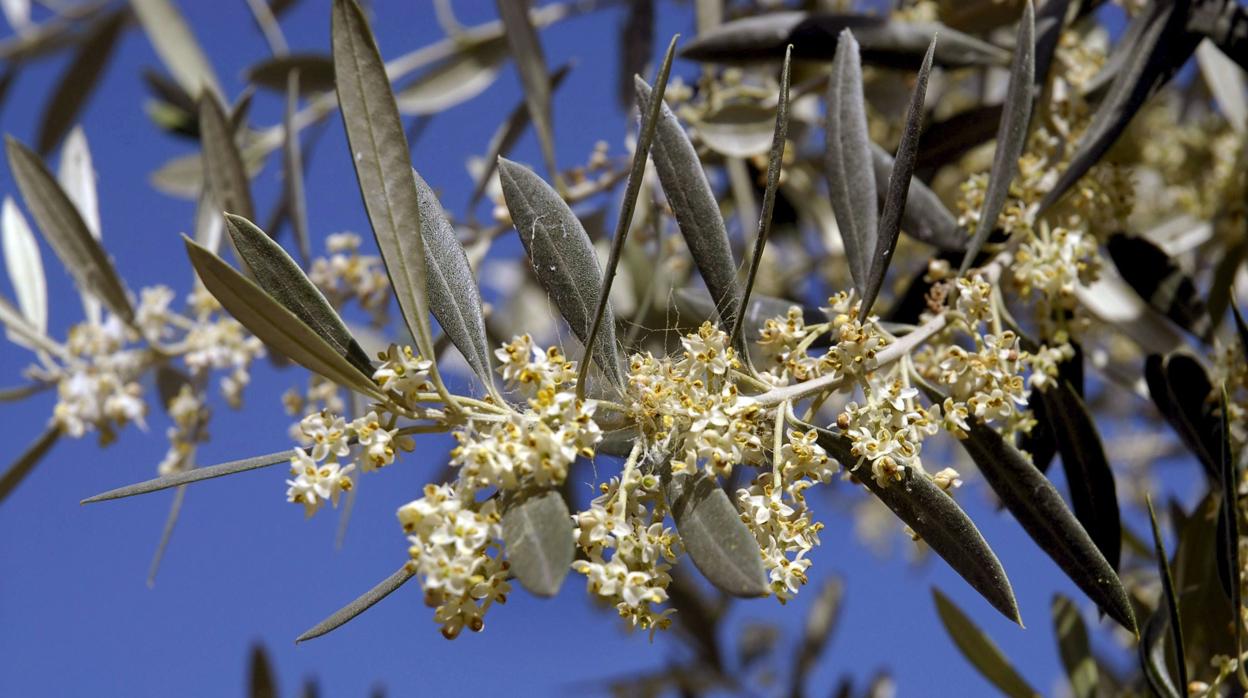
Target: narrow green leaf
286 283
224 173
563 259
1181 389
380 153
453 294
1161 282
186 477
360 605
1170 596
1228 515
717 541
1072 645
278 327
261 682
1241 330
1152 652
166 535
979 650
176 45
25 265
636 174
1011 134
898 186
21 392
1088 474
26 462
1038 507
316 73
526 48
539 540
775 161
78 81
455 80
292 171
19 329
697 212
65 230
76 175
936 518
848 156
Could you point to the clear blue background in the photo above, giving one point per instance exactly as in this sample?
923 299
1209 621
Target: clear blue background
75 615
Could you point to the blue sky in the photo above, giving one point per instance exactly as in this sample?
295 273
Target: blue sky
75 614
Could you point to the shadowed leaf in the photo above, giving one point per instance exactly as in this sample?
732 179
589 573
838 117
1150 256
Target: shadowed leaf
1228 516
224 174
26 462
195 475
260 679
635 46
1169 599
1011 134
526 49
1072 645
925 217
1181 390
1161 282
316 72
720 545
848 156
979 650
78 81
63 227
1152 653
539 540
360 605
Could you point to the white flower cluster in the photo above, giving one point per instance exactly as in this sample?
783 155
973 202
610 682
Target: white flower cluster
455 551
888 430
215 341
347 275
1048 266
190 418
693 409
636 574
784 342
320 474
97 384
986 383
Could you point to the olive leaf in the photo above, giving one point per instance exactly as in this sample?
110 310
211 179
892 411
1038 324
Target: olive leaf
454 80
453 294
820 622
1011 134
63 227
1088 474
19 329
186 477
924 217
166 535
1038 507
1180 389
76 175
526 49
1073 647
848 156
26 462
697 212
938 520
286 283
898 187
979 650
176 45
737 129
636 43
1170 597
718 542
260 676
292 171
25 266
563 259
1161 282
360 605
1152 653
274 324
379 146
539 540
1228 516
224 174
316 72
78 81
814 36
1155 45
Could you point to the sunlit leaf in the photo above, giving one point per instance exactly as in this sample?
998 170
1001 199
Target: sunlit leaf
59 221
697 212
26 462
455 80
1072 645
76 174
737 129
526 49
292 171
539 540
78 81
979 650
25 266
176 45
223 164
362 604
186 477
720 545
166 535
848 156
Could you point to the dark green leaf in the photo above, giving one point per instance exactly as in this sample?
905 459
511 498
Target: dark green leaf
1152 651
224 174
697 212
379 146
195 475
274 324
26 462
1161 282
286 283
362 604
176 45
292 171
814 37
78 81
262 684
848 156
526 48
925 217
936 518
1169 597
1011 134
898 186
1088 475
636 43
316 72
64 229
1241 330
1182 392
1072 645
1228 514
979 650
539 540
563 259
717 541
